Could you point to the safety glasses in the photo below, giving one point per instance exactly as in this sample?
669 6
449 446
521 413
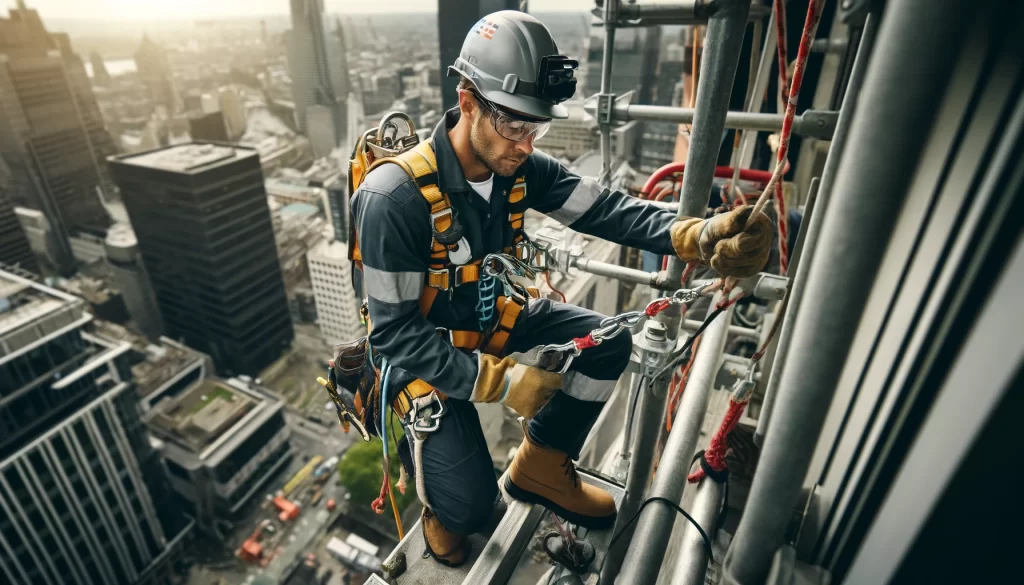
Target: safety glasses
511 127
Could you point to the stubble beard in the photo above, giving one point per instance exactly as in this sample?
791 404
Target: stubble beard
484 152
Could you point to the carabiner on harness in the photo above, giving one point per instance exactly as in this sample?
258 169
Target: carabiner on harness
425 413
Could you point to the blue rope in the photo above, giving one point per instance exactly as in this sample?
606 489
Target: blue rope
488 296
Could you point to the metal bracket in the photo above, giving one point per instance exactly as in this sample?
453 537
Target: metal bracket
655 345
854 12
819 124
603 105
770 287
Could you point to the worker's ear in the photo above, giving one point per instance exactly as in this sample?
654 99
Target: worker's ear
467 104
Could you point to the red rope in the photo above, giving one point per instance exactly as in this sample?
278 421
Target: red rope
774 187
718 449
657 307
586 342
780 32
385 486
547 279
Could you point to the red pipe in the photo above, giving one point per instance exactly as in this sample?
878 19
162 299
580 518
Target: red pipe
720 172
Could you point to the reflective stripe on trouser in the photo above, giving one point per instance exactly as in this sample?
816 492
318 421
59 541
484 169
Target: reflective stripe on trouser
458 471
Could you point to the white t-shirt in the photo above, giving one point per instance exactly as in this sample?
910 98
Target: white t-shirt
483 188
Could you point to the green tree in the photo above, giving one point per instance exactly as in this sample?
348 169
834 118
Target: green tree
361 474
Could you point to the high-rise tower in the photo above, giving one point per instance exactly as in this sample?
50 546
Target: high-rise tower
204 229
319 72
83 496
51 131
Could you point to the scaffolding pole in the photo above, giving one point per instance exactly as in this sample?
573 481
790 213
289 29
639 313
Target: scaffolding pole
722 47
813 123
646 552
898 104
692 562
605 98
802 262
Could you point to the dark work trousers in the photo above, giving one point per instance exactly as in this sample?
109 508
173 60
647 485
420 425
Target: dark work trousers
458 471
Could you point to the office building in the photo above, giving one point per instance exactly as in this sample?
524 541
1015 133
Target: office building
83 496
659 138
221 441
200 215
129 276
207 127
155 71
41 238
633 69
454 19
100 75
319 72
14 246
234 112
330 270
51 131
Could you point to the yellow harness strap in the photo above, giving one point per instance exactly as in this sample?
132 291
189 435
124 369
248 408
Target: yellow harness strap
420 163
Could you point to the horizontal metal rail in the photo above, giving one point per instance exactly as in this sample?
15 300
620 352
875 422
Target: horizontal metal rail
619 272
812 123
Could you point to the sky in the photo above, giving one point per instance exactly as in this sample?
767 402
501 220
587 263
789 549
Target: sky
209 9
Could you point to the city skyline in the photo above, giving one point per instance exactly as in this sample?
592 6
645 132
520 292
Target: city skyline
127 10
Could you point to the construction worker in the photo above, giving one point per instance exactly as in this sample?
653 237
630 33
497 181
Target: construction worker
512 83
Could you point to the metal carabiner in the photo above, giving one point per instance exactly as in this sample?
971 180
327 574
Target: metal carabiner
429 422
557 357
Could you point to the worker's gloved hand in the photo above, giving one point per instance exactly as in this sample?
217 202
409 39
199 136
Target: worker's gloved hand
521 387
723 243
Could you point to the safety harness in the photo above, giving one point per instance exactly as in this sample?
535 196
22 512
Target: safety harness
448 248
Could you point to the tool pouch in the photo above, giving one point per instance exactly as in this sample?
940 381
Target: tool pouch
358 381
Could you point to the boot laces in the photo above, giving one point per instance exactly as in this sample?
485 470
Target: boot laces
570 470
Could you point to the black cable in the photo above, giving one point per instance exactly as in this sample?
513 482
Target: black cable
677 508
681 354
636 398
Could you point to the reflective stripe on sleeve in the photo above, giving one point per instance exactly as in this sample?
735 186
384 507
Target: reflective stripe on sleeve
392 287
579 202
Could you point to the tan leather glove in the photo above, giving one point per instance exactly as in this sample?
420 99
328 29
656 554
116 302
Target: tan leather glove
525 389
723 243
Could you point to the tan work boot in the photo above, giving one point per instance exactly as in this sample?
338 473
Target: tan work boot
545 476
445 546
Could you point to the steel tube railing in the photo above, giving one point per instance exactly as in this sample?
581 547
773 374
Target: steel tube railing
888 138
645 555
642 438
610 12
722 48
802 263
692 562
814 123
617 272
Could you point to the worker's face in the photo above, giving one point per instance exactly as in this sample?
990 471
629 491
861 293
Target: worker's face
498 153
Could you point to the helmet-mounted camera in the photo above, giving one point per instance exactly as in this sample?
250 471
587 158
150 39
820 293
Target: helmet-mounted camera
556 81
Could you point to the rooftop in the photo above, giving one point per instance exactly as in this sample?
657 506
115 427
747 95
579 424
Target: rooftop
198 417
29 310
187 158
156 363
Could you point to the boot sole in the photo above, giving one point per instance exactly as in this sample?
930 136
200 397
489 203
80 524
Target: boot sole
589 522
